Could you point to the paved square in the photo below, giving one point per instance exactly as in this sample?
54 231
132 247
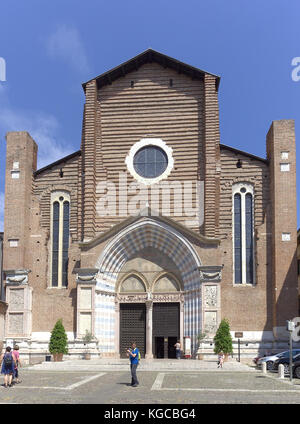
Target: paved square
178 387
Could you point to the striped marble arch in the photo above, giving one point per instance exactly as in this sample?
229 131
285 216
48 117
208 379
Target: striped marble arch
123 247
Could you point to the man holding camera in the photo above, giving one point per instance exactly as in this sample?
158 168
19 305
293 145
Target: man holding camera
134 356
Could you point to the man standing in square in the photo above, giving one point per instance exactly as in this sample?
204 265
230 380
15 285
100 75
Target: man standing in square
133 355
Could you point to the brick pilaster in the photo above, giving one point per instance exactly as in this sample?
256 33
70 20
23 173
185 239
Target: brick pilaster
281 138
89 161
212 157
21 162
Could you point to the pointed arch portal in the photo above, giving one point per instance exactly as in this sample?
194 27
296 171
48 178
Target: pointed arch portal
121 249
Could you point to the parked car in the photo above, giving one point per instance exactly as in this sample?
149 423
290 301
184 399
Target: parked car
285 361
296 369
272 358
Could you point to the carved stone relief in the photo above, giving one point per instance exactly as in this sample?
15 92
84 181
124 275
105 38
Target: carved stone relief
16 299
210 296
210 321
16 324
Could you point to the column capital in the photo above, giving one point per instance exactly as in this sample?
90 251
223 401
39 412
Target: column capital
149 303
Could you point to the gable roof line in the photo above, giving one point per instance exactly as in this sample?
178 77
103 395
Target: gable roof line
241 152
64 159
146 213
149 55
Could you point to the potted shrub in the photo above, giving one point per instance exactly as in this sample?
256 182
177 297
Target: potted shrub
58 345
200 338
223 340
88 337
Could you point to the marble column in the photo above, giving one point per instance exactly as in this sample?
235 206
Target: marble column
117 329
149 310
181 322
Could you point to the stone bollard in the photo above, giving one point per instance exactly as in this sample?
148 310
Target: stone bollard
264 367
281 371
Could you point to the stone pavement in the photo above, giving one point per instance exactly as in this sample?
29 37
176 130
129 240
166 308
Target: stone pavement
163 387
172 365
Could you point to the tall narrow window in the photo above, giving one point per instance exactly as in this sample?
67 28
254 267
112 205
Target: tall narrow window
249 239
60 223
65 251
55 244
237 239
243 258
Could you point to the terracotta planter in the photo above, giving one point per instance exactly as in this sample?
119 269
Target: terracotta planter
87 356
57 357
200 356
226 355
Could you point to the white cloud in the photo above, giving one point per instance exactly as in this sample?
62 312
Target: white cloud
43 129
66 44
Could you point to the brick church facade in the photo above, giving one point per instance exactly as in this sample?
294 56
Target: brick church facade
153 230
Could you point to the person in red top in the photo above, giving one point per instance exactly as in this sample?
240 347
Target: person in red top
17 364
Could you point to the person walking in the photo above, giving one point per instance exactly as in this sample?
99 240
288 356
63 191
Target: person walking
220 359
16 354
8 365
178 349
134 355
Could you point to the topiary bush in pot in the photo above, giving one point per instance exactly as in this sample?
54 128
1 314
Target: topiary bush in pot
222 339
58 345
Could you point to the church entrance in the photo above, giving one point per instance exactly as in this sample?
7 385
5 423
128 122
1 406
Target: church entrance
132 327
165 329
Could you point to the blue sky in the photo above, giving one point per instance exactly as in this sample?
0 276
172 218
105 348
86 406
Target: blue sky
51 48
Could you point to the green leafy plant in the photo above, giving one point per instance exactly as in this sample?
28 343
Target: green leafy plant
222 339
58 340
87 338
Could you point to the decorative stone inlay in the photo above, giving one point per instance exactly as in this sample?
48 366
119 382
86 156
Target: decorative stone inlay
15 324
149 297
210 321
178 297
16 299
210 296
85 319
210 273
85 298
134 298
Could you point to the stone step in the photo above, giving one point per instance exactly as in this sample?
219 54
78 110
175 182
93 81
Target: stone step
145 365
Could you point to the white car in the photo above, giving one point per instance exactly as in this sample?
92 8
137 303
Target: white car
272 358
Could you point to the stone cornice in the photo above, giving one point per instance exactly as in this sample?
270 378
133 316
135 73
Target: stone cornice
210 273
86 275
16 277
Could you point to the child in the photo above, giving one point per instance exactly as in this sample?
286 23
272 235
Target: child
18 363
220 359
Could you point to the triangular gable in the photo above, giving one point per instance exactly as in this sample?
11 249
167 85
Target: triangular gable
149 56
147 213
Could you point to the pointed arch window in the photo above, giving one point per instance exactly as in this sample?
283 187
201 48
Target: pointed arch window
243 234
60 230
